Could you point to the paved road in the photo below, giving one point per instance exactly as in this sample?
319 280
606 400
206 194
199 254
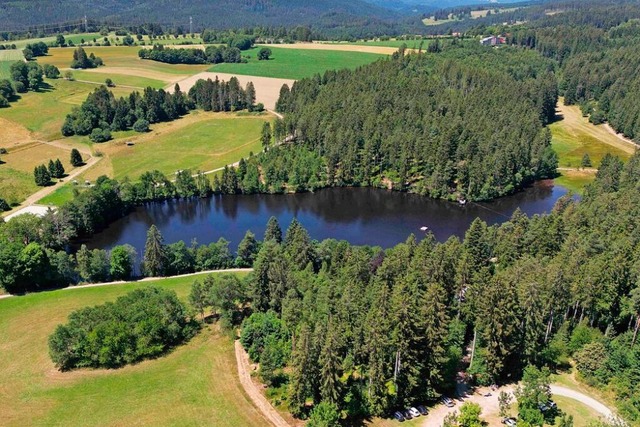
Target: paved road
583 398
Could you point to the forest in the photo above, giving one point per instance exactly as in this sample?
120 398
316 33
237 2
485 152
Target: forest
436 124
211 55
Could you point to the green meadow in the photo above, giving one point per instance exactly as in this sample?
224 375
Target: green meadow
296 63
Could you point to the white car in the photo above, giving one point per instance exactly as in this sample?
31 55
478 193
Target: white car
414 412
447 401
509 422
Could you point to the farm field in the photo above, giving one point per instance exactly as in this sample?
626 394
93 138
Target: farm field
195 384
98 76
339 46
573 136
198 141
296 63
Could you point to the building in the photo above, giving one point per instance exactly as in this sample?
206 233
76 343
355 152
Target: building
493 41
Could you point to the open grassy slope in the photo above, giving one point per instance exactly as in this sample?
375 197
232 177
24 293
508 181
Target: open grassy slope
296 63
196 384
198 141
573 137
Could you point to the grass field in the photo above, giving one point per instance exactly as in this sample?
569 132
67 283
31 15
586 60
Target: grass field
196 384
582 414
4 69
15 185
89 37
60 196
11 55
124 58
296 63
198 141
52 104
411 44
99 76
573 136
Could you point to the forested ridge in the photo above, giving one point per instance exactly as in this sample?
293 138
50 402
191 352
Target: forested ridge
464 123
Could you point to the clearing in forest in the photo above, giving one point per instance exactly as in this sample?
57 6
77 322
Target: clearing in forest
195 384
573 136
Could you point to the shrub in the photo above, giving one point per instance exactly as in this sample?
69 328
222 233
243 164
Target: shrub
4 206
141 125
51 71
20 87
99 135
142 324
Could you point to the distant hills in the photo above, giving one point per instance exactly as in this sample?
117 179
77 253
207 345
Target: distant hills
332 15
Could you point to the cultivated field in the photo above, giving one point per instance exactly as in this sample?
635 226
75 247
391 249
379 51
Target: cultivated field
287 63
196 384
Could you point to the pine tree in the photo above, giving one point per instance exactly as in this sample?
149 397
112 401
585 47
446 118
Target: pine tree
266 136
59 169
330 366
51 167
273 231
76 158
155 253
298 245
247 250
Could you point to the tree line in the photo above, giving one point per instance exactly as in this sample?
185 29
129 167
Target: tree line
210 55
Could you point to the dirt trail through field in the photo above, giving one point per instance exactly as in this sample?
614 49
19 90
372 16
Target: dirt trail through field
261 402
267 88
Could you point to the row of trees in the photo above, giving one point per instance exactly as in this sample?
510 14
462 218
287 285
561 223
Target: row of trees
43 174
210 55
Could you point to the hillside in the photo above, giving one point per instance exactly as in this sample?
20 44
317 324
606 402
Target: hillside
332 15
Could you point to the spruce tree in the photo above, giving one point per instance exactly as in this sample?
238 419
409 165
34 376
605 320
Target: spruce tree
76 158
247 250
51 167
59 169
273 231
155 253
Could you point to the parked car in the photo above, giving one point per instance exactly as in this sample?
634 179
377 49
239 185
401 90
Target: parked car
407 414
509 422
398 416
551 404
422 410
447 401
414 412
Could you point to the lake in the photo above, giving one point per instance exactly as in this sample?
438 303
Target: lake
362 216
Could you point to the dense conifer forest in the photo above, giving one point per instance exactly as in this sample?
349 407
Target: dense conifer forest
438 124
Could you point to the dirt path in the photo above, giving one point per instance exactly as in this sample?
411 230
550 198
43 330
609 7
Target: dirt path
261 402
592 403
32 199
102 84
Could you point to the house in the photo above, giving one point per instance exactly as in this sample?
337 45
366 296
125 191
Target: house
493 41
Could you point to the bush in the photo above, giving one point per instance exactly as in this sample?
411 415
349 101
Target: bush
3 102
140 325
258 330
51 71
4 206
20 87
141 126
99 135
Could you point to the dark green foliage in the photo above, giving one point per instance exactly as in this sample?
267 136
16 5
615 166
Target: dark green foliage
102 113
4 206
324 415
26 76
42 176
142 324
123 260
156 257
216 95
76 158
81 60
258 329
264 54
141 125
37 49
211 55
586 161
273 230
454 136
51 71
247 250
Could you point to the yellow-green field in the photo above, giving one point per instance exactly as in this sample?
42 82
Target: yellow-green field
583 415
98 77
573 137
198 141
196 384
